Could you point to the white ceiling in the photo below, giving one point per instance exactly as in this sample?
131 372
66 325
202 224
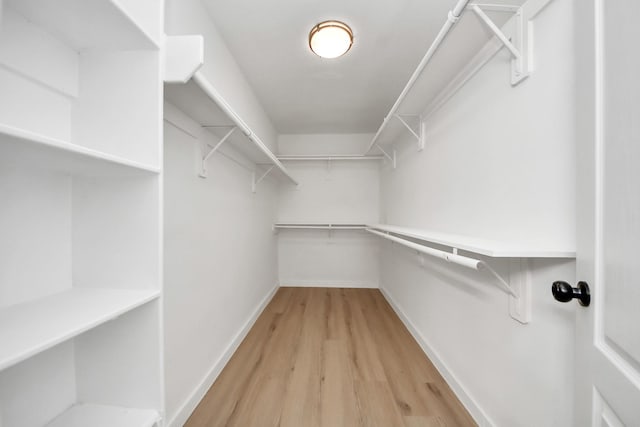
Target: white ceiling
303 93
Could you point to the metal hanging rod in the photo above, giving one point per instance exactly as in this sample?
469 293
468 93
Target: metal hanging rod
312 157
452 18
468 262
320 226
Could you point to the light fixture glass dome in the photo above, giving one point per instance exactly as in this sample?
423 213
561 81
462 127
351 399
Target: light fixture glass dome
330 39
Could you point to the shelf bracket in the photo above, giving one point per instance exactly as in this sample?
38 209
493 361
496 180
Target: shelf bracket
518 287
417 135
391 158
205 156
255 182
517 46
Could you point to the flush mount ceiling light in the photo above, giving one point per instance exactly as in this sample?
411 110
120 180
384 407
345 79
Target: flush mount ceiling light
330 39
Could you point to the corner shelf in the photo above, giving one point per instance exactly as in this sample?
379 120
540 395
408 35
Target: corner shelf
32 327
82 415
201 101
51 153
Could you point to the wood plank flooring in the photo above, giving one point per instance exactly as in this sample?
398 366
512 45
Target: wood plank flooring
321 357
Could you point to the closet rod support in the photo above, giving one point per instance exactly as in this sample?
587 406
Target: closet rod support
391 158
498 33
417 135
255 182
203 169
517 47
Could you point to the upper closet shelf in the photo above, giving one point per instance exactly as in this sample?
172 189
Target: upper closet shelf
490 248
202 102
426 92
19 146
32 327
93 24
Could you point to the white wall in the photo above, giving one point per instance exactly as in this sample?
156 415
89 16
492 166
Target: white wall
220 264
498 163
220 251
329 192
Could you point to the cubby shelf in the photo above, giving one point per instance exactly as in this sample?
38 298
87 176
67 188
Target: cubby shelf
490 248
29 328
82 415
50 153
88 24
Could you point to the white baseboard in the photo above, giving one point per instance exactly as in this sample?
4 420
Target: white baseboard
196 396
328 284
467 400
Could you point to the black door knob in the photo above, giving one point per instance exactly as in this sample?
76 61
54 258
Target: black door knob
563 292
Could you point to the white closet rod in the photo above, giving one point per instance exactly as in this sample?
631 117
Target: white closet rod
472 263
224 106
452 18
328 157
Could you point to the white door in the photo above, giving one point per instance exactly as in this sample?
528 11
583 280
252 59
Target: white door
608 182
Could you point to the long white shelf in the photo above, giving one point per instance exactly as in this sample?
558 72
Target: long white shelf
43 151
32 327
199 99
486 247
317 226
85 25
83 415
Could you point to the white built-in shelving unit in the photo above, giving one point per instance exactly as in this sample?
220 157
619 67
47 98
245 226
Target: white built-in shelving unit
80 163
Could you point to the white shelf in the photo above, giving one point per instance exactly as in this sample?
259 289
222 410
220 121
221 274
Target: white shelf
199 100
486 247
29 328
86 24
39 150
315 226
83 415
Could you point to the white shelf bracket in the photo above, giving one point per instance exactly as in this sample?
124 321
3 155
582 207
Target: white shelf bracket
391 158
518 45
255 182
418 134
518 287
205 156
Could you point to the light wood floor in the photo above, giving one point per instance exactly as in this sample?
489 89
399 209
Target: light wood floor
331 358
